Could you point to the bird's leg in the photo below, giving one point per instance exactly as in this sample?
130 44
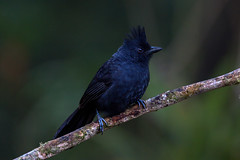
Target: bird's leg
141 102
100 121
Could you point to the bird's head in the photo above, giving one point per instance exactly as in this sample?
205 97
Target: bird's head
136 43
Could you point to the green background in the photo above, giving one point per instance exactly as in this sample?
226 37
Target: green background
50 50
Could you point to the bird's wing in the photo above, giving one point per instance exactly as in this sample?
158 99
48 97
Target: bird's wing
100 84
93 92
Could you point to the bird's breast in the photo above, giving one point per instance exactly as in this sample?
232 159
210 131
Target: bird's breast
133 80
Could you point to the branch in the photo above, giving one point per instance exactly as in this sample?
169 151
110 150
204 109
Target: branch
53 147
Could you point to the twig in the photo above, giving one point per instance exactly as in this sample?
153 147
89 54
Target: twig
53 147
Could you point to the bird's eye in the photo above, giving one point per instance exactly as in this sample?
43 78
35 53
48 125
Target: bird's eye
140 50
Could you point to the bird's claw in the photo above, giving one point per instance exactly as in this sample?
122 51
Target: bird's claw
101 121
141 102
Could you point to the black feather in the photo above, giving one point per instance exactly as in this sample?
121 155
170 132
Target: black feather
137 34
120 82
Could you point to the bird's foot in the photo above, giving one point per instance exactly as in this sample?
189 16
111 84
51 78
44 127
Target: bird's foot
141 102
101 121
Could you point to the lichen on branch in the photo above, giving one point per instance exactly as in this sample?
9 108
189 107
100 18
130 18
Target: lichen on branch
53 147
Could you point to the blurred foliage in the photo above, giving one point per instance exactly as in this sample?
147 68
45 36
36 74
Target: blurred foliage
50 50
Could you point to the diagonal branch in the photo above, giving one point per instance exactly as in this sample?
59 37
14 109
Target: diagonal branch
53 147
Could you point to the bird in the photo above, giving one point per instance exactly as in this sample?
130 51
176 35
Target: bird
119 83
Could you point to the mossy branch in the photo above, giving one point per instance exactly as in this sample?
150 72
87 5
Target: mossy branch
53 147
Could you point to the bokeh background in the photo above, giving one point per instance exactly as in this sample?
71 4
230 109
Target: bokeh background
50 50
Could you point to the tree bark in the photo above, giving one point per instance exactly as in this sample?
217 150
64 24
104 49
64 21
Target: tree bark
53 147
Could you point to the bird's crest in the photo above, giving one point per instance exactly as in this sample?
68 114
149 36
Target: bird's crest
137 34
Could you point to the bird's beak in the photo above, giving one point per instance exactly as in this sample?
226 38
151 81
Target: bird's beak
154 50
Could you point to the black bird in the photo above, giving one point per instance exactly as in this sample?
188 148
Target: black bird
119 83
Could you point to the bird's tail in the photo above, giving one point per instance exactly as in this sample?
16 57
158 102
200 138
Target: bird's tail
77 119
